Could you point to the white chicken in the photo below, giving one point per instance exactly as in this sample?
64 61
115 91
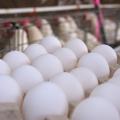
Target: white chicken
46 28
34 34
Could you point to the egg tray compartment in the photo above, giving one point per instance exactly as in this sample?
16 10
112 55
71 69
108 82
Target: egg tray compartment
10 111
118 58
113 69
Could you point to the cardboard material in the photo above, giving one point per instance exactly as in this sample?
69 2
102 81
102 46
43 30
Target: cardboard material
10 111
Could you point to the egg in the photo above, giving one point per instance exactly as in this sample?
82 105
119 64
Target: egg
97 64
34 51
108 53
10 92
95 109
51 43
116 73
86 77
45 101
5 69
48 65
67 58
71 87
27 77
77 46
109 92
16 59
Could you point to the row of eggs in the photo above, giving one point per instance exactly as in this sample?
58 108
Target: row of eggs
72 73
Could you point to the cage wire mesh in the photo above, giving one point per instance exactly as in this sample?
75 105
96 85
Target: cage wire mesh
8 42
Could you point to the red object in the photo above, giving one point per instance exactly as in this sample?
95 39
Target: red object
7 24
34 13
97 31
38 22
96 2
25 22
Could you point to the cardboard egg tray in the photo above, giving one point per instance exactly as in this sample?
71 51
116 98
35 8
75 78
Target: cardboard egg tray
10 111
118 55
113 69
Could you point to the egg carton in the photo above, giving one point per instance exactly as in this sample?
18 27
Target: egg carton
10 111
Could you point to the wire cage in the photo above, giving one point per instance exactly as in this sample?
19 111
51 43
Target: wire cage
8 43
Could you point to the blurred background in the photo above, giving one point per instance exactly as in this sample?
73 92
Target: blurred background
94 24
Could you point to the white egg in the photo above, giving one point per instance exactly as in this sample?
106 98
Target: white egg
95 109
34 51
51 43
45 101
5 69
109 92
116 73
27 77
71 87
86 77
16 59
48 65
97 64
108 53
67 58
77 46
10 92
